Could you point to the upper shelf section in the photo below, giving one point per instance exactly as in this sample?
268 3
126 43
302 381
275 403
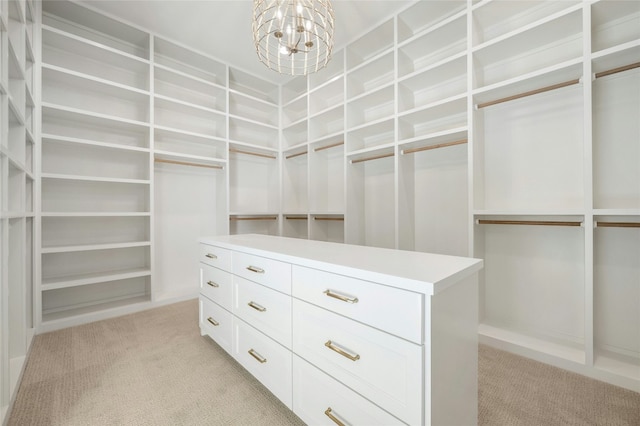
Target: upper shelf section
101 30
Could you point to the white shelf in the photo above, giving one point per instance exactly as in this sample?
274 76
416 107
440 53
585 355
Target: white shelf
89 115
94 179
87 247
95 214
63 139
87 279
564 351
88 311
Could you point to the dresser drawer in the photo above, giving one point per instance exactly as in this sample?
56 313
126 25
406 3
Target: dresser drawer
216 256
318 397
383 368
265 359
216 322
269 272
267 310
396 311
217 285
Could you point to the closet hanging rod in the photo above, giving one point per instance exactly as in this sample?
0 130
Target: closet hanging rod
257 154
618 224
440 145
254 218
295 217
186 163
618 69
375 157
328 146
527 222
529 93
328 218
295 155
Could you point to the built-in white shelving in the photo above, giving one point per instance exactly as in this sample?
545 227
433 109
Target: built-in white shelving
496 129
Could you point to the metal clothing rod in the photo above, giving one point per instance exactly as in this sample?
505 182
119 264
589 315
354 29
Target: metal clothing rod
238 151
328 218
618 224
440 145
295 155
529 93
618 69
186 163
295 217
527 222
328 146
375 157
254 218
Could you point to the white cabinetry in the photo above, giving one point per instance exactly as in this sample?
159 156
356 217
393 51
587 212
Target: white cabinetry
95 170
19 20
503 130
344 333
146 145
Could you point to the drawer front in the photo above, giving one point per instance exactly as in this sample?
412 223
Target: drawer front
216 322
318 399
217 285
265 309
269 272
265 359
216 256
393 310
383 368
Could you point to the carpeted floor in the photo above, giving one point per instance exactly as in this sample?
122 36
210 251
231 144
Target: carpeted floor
154 368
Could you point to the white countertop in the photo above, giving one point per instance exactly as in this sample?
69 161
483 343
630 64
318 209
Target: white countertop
425 273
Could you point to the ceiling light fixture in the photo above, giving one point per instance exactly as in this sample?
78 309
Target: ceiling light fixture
293 36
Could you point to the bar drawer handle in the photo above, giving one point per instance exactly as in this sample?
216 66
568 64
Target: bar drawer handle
257 307
214 322
328 412
341 351
255 269
257 356
211 256
212 284
341 297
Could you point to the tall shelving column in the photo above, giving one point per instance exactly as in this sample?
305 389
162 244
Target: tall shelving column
529 175
326 164
615 61
190 151
370 138
17 109
432 128
95 169
254 154
295 157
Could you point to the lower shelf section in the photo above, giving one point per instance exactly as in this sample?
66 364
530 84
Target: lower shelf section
622 365
498 336
70 302
617 369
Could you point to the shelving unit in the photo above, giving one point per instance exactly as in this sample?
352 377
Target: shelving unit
95 167
496 129
18 115
458 127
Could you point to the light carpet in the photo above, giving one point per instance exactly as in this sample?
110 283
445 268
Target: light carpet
154 368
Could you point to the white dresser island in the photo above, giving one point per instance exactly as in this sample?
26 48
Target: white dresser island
346 334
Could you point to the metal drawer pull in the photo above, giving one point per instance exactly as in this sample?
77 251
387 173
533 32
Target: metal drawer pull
212 284
341 297
257 356
328 413
257 307
255 269
341 351
212 321
211 256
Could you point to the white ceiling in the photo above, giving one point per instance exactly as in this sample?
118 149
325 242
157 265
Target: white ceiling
222 28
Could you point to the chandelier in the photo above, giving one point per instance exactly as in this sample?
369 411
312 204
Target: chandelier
293 36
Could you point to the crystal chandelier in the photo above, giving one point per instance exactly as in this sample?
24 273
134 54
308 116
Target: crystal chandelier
293 36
